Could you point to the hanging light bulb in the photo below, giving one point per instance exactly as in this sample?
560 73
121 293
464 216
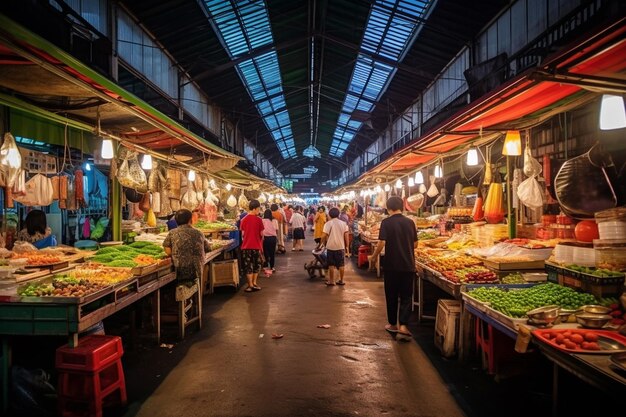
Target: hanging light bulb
612 114
512 143
192 175
107 149
146 162
438 171
262 198
472 157
419 177
387 188
411 182
378 189
399 183
228 187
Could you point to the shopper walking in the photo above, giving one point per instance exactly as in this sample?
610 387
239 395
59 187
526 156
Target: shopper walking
398 236
318 224
270 229
187 247
280 237
252 245
298 223
335 238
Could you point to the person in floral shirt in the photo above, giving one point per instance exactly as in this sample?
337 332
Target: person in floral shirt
187 247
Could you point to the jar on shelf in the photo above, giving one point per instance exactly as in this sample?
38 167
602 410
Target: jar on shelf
612 223
610 254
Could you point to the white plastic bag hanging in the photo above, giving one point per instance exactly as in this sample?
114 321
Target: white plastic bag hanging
10 161
432 190
529 191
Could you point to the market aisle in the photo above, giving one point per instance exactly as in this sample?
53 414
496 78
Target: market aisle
233 367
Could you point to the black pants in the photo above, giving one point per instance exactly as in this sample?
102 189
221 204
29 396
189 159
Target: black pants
269 250
399 284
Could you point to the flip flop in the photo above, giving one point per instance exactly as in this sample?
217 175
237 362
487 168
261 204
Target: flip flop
404 337
340 283
256 288
249 289
330 284
390 330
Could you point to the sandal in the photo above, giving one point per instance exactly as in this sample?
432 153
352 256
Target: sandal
391 329
340 282
256 288
404 337
329 283
249 289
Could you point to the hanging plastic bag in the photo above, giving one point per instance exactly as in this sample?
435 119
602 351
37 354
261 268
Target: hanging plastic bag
10 161
531 165
432 190
130 174
39 192
530 193
243 201
422 189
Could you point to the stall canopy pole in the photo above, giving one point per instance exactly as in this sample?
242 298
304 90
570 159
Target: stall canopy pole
511 217
116 205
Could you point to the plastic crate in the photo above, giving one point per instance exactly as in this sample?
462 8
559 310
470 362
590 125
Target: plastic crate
92 353
447 326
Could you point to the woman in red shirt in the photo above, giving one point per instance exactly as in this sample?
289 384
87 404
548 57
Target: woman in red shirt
251 228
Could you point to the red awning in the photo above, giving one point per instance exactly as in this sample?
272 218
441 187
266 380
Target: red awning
600 57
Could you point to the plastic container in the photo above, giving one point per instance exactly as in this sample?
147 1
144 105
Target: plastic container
614 214
610 254
447 326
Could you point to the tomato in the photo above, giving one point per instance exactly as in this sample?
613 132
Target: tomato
586 231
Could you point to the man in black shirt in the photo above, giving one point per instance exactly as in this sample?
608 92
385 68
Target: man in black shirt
398 236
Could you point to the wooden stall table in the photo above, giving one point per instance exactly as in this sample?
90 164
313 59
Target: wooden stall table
69 316
425 273
594 369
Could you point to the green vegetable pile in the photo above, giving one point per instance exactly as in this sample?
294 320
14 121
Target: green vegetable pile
514 278
516 303
204 225
36 290
123 255
596 272
426 235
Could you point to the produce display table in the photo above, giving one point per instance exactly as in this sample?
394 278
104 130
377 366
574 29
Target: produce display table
425 273
68 316
207 264
594 369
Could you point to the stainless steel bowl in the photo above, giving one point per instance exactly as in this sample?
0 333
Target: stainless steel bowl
596 309
543 315
593 321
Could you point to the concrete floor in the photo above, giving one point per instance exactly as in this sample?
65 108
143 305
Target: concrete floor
233 367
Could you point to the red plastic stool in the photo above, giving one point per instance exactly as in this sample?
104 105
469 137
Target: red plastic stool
484 343
364 252
90 376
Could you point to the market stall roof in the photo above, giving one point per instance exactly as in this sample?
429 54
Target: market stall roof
37 74
566 80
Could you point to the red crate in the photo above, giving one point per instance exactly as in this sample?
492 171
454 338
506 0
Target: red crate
92 353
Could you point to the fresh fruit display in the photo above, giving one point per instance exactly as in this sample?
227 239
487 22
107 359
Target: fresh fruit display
36 258
471 275
516 303
596 272
426 235
100 274
36 290
578 340
204 225
61 286
514 278
143 260
444 260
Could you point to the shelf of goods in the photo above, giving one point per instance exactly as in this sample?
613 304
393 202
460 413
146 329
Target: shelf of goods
71 302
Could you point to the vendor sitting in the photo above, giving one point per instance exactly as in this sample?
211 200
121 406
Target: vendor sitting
35 227
187 247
